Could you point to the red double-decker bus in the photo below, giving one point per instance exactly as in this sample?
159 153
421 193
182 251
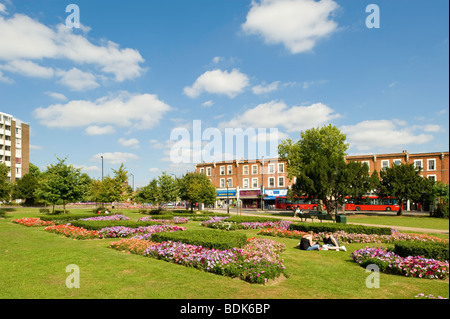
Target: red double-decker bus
282 202
367 203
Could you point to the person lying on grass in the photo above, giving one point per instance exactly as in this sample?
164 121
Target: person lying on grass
331 243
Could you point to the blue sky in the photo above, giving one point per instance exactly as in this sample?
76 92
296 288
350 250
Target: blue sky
138 70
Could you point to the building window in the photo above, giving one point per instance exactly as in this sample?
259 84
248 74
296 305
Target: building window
431 164
432 177
255 182
222 170
230 182
384 164
229 169
271 169
271 181
222 182
245 183
202 170
367 163
254 169
418 164
397 161
281 181
245 170
208 171
280 167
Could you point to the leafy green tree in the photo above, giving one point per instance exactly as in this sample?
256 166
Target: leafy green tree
61 184
196 188
25 188
168 188
149 193
5 184
317 161
402 182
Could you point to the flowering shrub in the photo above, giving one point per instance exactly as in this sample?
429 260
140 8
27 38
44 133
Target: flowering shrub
74 232
107 217
33 222
256 262
430 296
411 266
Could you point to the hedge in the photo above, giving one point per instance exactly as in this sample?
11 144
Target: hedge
99 224
426 249
251 219
348 228
214 239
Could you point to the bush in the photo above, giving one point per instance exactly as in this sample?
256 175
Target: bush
426 249
251 219
2 213
62 218
44 210
329 227
214 239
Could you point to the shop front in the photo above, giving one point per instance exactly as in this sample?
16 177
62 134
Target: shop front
250 198
224 195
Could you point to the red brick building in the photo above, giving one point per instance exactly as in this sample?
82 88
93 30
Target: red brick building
248 179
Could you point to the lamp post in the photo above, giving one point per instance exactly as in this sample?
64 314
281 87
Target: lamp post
102 167
262 184
133 181
228 201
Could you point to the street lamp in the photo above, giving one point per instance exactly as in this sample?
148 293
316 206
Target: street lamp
102 167
133 180
228 201
262 184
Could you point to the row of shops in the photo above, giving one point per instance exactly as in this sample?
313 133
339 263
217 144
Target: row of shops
250 198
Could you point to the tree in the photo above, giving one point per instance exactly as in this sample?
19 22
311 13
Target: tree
5 184
149 193
402 182
25 188
114 189
317 161
60 184
196 188
168 188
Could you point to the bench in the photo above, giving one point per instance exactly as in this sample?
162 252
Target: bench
313 214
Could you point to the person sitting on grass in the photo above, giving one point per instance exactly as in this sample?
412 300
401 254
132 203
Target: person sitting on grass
306 243
331 243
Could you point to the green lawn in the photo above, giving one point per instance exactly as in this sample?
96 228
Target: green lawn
405 221
33 264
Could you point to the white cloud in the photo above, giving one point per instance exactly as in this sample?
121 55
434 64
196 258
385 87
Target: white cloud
4 78
28 68
78 80
383 134
208 103
132 142
26 39
99 130
218 82
262 89
153 170
87 168
277 114
138 111
297 24
2 8
57 96
433 128
115 158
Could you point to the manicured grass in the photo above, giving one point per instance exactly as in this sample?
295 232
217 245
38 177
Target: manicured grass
405 221
33 264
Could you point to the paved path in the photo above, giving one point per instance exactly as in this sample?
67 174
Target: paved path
265 213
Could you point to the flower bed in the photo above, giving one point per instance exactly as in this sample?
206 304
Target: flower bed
257 262
107 217
279 232
224 224
411 266
175 220
74 232
33 222
132 245
143 232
